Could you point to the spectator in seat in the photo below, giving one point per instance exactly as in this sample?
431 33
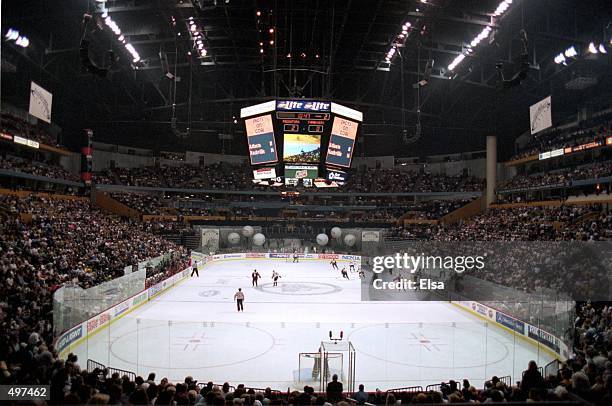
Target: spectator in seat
305 398
532 379
334 390
361 397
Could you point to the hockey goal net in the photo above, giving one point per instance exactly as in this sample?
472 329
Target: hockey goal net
317 369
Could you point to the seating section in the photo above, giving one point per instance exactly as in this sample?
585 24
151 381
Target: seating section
47 242
16 126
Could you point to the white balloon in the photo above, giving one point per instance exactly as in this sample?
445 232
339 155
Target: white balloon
336 232
322 239
349 240
247 231
233 238
259 239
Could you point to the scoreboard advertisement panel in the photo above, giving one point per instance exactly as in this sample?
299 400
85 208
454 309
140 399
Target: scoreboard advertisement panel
305 173
341 142
260 135
264 173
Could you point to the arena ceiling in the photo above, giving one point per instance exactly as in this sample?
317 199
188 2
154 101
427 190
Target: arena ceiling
321 49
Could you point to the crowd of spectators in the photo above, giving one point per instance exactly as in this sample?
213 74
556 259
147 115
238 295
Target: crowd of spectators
586 131
45 243
36 168
521 223
516 224
434 209
397 181
201 205
215 176
563 178
238 177
16 126
585 378
144 203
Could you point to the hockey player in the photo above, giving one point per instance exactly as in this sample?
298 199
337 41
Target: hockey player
334 264
255 275
344 273
352 266
275 276
239 298
296 258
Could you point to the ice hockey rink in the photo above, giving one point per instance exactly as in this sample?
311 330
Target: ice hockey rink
194 329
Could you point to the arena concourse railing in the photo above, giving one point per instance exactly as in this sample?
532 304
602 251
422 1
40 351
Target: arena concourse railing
104 371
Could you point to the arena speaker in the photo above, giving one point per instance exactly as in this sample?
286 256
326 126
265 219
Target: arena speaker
521 75
86 61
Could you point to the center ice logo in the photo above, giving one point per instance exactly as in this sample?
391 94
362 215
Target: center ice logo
208 293
299 288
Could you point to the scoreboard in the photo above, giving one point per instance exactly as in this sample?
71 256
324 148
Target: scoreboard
318 137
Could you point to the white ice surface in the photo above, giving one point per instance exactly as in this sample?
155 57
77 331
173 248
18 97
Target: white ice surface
194 329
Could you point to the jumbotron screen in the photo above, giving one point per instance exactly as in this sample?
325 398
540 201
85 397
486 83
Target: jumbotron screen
260 134
302 148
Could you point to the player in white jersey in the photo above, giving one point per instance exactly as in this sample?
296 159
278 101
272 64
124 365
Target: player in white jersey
275 277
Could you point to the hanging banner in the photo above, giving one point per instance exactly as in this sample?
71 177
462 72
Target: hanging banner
40 102
540 115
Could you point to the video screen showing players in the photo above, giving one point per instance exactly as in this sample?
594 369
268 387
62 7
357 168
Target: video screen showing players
302 148
260 135
341 142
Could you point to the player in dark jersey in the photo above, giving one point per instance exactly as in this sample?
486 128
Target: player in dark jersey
334 264
255 275
344 273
